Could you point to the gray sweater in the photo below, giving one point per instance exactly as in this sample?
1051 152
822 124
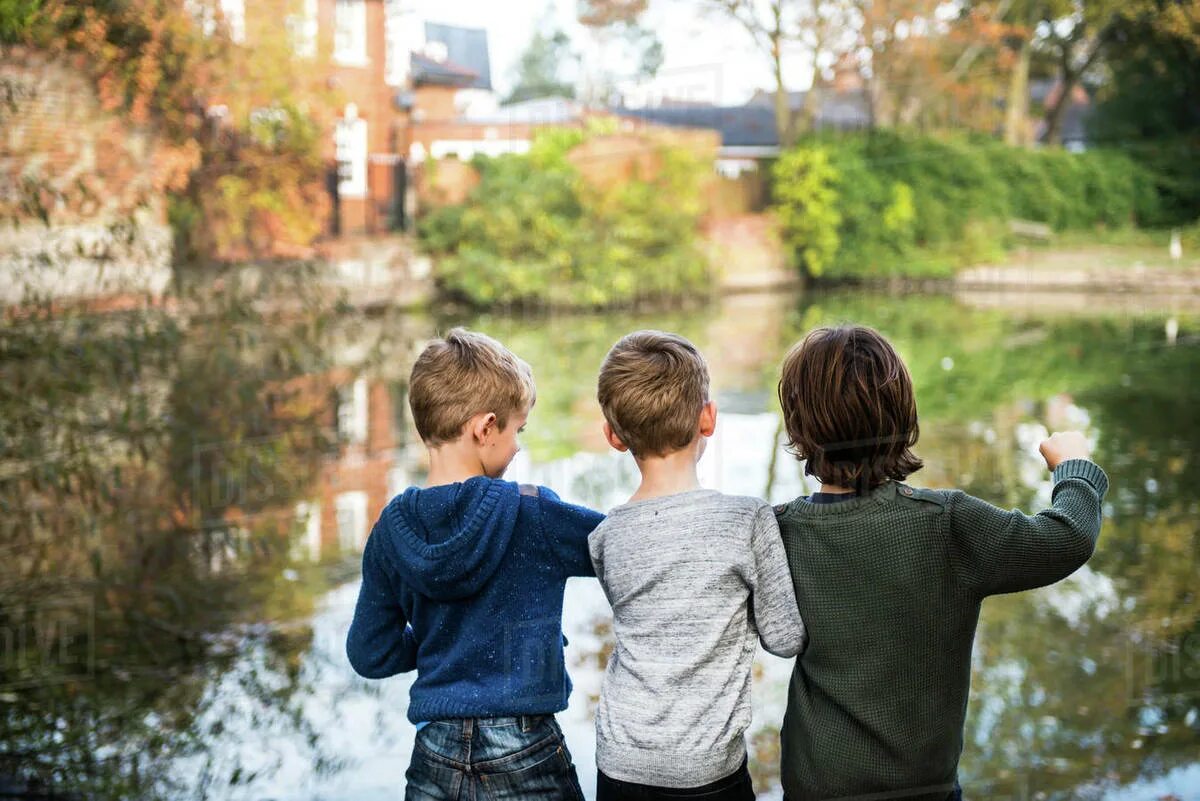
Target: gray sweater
694 580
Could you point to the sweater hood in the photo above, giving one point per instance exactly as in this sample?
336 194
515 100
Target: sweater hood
447 541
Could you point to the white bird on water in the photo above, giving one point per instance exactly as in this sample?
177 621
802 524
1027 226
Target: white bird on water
1172 330
1176 248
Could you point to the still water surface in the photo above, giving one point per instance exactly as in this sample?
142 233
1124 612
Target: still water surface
183 491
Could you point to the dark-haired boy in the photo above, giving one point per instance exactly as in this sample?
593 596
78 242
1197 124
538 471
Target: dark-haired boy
695 578
890 578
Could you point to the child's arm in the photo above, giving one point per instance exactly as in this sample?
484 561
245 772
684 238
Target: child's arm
380 642
999 551
566 528
780 628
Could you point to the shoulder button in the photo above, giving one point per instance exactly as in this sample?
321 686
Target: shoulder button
906 491
780 508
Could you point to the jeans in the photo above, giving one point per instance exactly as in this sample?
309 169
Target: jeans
491 759
734 787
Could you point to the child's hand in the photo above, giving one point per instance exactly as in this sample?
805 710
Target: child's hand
1064 445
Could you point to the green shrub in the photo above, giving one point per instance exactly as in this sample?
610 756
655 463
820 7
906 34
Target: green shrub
534 230
892 203
806 196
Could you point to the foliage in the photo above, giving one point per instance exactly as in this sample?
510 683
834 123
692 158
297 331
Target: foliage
257 188
541 70
901 204
535 230
806 196
255 191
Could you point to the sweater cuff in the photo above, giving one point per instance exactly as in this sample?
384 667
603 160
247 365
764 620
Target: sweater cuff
1086 469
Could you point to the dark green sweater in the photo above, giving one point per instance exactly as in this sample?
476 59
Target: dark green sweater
889 586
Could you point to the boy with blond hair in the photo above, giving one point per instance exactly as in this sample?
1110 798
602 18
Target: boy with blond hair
695 579
463 582
890 578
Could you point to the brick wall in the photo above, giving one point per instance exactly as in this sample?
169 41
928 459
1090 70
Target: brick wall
94 174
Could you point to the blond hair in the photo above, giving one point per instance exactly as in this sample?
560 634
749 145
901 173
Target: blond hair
651 389
462 375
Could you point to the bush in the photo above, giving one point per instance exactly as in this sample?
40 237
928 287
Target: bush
890 203
534 231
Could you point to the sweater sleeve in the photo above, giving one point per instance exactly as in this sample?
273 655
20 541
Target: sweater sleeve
380 642
997 551
772 595
566 528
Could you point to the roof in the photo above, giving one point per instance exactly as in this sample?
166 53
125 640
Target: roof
426 70
740 126
845 110
536 111
1076 116
466 53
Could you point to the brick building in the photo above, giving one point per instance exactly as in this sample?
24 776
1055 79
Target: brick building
387 74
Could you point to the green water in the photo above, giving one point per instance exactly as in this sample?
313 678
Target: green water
173 617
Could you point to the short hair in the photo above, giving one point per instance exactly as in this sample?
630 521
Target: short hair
651 389
849 408
461 375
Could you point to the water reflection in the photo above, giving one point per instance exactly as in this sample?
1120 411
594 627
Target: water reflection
181 486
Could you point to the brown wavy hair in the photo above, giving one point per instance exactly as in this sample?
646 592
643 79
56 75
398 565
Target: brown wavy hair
849 408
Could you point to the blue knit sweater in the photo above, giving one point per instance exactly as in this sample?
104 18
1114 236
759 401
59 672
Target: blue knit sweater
464 583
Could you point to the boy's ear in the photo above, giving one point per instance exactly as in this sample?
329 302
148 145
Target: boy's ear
613 439
708 419
482 425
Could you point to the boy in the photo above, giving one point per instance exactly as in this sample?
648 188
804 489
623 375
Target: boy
463 582
694 578
890 578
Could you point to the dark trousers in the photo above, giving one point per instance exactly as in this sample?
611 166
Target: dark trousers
734 787
955 795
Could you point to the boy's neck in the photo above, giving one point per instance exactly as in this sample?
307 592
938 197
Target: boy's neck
667 475
834 489
452 464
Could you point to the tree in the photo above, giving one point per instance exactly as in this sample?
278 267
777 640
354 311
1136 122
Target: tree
1153 65
540 72
620 38
818 28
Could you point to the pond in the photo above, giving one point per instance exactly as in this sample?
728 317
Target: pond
183 489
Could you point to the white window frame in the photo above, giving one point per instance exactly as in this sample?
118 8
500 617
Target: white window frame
350 33
303 29
234 12
398 44
350 145
351 509
308 515
353 412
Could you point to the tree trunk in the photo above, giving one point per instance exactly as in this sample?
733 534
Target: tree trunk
1056 113
1016 111
783 111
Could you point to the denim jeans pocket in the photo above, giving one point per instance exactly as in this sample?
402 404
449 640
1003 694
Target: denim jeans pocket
542 770
430 777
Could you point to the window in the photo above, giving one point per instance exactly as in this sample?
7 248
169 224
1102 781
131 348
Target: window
351 519
303 29
234 12
350 144
352 412
350 33
398 43
308 516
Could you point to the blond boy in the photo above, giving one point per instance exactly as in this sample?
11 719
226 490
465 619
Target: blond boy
463 582
695 578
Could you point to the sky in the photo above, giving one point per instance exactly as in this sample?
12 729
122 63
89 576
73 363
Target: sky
704 50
